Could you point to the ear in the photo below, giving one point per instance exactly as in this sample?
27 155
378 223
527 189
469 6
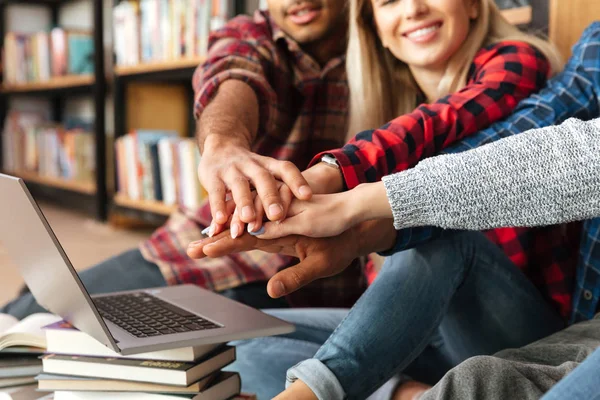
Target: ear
473 8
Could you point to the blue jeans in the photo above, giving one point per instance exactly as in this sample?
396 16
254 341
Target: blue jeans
130 271
429 309
581 384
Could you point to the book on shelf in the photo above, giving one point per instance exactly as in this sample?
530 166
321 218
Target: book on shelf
63 338
225 386
140 370
159 167
27 332
163 30
40 56
31 144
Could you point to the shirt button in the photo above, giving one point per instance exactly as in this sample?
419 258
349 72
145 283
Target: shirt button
588 295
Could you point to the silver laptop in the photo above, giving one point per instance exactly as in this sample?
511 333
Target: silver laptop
127 322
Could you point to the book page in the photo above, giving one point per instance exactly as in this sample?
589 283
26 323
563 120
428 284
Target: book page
6 322
34 323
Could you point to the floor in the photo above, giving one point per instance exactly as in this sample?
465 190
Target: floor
85 241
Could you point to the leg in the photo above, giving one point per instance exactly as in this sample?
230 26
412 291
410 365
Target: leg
528 372
401 313
262 362
127 271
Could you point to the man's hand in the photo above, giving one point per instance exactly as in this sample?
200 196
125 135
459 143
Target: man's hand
228 166
319 258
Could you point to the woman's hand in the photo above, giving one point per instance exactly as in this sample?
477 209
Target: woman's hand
331 214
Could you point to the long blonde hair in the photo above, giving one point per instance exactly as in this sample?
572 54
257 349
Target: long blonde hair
382 87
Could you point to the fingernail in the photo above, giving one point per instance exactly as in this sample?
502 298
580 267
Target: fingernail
275 210
250 227
247 212
278 289
305 190
220 216
206 231
235 229
195 244
258 232
211 230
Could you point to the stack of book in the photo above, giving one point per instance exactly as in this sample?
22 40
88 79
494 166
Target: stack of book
21 344
34 145
44 55
159 166
77 367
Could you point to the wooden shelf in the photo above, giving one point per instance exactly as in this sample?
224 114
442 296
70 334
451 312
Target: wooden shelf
61 183
139 69
518 15
58 83
155 207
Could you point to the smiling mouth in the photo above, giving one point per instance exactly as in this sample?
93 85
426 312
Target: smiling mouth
304 13
422 32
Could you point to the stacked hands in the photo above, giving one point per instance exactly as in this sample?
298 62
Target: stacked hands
304 215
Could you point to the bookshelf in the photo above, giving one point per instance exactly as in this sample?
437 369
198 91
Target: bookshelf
89 195
155 207
159 67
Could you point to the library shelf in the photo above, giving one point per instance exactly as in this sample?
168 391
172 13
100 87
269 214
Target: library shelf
53 85
61 183
147 68
155 207
518 15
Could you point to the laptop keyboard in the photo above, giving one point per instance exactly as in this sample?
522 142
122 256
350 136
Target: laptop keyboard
144 315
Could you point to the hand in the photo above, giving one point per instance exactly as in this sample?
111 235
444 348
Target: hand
331 214
319 258
230 166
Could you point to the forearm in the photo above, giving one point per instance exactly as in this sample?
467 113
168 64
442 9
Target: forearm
541 177
230 118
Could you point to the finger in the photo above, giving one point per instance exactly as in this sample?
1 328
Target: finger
293 278
236 227
260 213
267 189
288 173
196 249
286 199
225 245
240 190
216 197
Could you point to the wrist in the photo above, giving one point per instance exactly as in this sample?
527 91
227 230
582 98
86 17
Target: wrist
372 202
324 178
216 143
374 236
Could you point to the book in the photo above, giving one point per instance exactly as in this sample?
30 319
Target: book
22 393
16 381
15 366
153 371
63 338
225 386
27 332
49 382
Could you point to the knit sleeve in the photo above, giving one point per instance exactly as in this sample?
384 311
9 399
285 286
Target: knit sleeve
541 177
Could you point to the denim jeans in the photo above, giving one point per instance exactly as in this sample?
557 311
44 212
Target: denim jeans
130 271
429 309
581 384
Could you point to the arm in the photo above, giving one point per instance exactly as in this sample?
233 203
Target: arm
232 103
503 74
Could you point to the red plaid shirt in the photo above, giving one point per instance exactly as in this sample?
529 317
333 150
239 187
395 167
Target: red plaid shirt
501 75
303 111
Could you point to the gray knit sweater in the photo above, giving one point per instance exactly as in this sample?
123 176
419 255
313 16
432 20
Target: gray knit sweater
541 177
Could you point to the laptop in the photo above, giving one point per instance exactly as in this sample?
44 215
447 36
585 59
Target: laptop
128 322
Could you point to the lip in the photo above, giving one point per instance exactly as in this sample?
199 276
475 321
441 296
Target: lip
422 26
311 12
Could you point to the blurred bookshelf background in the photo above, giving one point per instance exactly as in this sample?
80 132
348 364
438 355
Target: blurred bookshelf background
96 98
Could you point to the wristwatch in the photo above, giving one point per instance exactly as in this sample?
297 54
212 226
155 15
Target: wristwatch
330 160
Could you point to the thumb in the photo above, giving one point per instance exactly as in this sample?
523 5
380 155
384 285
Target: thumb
293 278
276 230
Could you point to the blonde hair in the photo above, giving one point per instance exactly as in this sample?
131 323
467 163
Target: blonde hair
382 87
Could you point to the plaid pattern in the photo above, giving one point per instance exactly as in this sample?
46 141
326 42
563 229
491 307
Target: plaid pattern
303 111
575 92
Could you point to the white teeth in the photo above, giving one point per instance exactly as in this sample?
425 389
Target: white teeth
302 12
422 32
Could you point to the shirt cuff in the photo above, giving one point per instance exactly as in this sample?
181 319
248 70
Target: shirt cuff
408 196
351 175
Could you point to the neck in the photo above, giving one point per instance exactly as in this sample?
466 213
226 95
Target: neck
428 80
324 50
